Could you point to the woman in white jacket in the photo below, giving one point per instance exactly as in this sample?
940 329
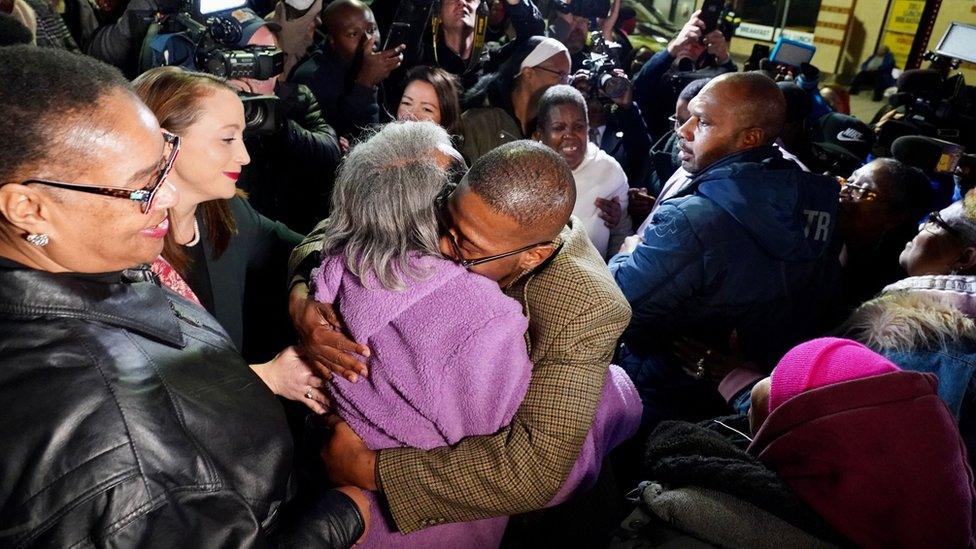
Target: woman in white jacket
563 125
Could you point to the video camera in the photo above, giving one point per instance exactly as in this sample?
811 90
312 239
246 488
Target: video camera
601 63
208 36
936 104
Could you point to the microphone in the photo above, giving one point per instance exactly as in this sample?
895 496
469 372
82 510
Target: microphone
927 153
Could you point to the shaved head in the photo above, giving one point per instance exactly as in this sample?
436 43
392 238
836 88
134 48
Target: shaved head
733 113
528 182
754 97
338 9
349 24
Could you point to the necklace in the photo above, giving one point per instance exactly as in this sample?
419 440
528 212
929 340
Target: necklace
196 234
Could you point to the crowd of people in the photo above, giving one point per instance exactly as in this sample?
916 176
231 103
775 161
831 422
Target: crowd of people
510 283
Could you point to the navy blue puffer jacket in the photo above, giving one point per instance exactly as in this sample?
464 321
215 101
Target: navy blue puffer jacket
745 251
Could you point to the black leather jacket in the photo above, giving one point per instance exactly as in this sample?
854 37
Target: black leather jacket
128 419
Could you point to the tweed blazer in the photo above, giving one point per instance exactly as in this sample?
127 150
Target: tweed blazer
576 314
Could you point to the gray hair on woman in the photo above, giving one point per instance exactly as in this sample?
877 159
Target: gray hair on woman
383 202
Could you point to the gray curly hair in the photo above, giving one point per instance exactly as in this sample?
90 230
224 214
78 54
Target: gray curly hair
383 202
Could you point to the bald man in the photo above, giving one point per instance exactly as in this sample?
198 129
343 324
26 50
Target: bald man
737 258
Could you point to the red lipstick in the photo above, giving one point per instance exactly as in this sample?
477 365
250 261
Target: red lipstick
233 175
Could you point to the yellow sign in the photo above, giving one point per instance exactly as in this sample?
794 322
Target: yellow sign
905 16
903 19
900 46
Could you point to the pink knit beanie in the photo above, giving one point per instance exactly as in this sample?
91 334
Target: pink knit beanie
821 362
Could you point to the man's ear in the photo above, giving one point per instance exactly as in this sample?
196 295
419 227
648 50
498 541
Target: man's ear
25 208
536 256
753 137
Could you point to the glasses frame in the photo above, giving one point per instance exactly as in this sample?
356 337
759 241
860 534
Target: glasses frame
440 210
858 192
565 76
674 122
935 219
144 196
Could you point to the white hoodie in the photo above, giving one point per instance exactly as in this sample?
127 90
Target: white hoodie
600 176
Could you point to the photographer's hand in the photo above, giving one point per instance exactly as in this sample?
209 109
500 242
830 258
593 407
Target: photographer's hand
377 66
689 36
581 81
716 45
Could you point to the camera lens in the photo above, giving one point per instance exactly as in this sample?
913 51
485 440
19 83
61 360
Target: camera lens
217 66
225 30
255 114
614 86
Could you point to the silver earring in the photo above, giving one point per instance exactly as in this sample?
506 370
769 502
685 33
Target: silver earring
39 240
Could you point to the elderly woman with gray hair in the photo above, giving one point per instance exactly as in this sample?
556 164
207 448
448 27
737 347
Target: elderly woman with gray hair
449 358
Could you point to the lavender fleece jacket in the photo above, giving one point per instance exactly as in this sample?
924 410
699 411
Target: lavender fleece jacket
449 360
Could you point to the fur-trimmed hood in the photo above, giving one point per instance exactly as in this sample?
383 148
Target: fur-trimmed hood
920 312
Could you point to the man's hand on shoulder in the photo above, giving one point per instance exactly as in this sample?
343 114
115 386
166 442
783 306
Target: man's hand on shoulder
324 342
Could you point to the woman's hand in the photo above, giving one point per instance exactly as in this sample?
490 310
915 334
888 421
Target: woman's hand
287 375
324 343
610 211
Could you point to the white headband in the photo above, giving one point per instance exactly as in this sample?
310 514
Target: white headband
300 5
546 49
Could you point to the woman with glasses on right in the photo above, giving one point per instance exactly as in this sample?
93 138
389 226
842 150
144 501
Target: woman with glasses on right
927 322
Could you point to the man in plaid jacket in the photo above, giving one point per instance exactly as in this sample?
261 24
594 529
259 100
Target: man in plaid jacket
576 314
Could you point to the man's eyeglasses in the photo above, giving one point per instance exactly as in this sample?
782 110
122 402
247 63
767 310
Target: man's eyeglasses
145 195
856 192
675 122
563 76
934 222
443 219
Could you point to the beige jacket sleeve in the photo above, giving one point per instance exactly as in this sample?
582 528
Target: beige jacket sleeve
310 245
